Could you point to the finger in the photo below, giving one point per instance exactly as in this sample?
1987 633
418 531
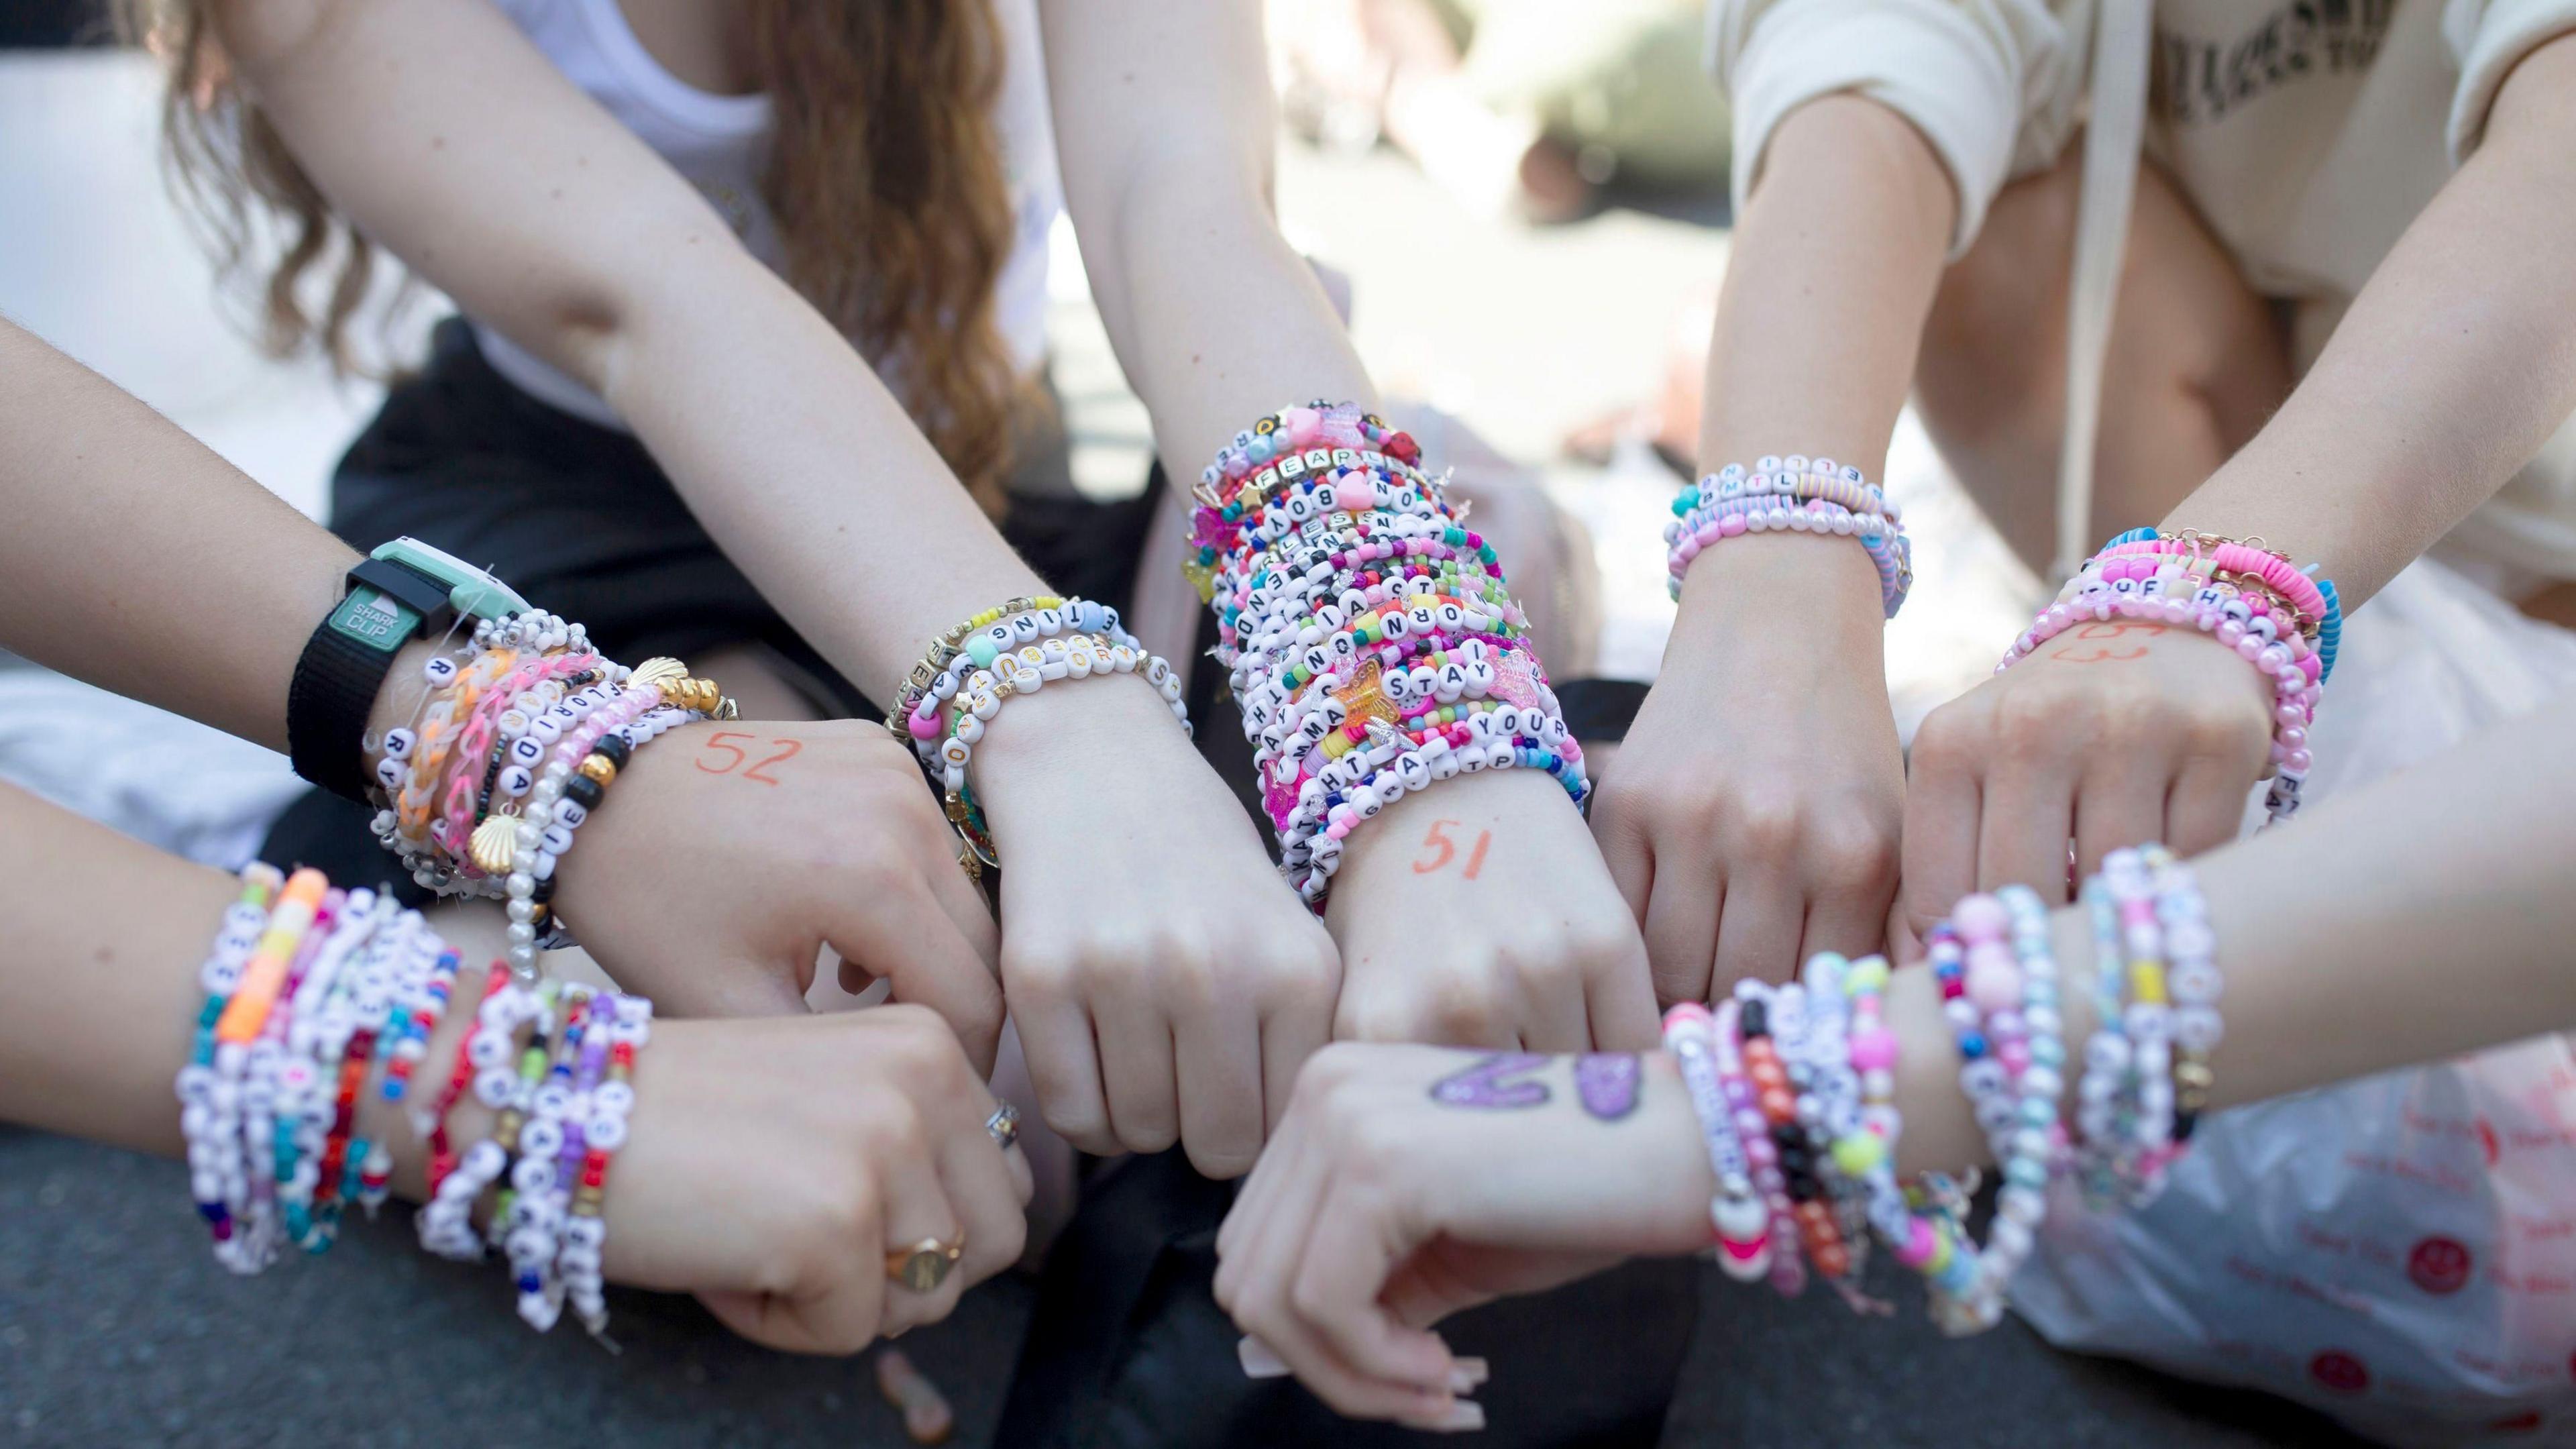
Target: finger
1263 1309
1554 1014
1621 1002
1353 1247
1136 1065
1275 1181
1681 933
967 909
841 1321
905 935
1056 1038
919 1213
1631 860
1757 929
2206 807
1219 1058
1289 1035
2021 837
1942 800
1853 922
989 1200
746 988
2119 807
1904 944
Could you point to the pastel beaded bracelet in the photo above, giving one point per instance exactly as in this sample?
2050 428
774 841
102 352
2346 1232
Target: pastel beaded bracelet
1792 494
2159 589
1794 1088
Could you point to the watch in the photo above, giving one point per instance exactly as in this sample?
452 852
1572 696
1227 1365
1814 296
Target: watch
401 592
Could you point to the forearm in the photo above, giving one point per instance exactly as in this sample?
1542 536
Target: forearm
1167 166
2411 922
2454 364
805 469
543 216
2420 918
139 561
1829 281
100 992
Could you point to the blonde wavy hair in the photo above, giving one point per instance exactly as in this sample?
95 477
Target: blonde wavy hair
885 177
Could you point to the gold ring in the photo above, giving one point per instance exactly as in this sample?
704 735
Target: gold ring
926 1264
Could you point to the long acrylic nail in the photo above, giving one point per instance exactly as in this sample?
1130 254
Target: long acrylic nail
1464 1416
1466 1375
1258 1361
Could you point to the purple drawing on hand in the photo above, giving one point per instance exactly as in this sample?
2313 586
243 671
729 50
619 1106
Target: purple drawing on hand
1482 1085
1607 1082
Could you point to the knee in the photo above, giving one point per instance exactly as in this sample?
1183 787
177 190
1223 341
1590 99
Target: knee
1990 372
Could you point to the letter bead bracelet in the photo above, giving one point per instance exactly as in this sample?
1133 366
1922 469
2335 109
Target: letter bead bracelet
315 993
1793 494
1795 1089
2253 601
973 668
1370 642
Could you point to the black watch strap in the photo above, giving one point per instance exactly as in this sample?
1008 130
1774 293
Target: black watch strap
344 666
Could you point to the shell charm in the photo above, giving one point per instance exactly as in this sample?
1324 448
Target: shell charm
496 844
656 672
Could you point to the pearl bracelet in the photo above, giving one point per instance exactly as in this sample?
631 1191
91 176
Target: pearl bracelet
1792 494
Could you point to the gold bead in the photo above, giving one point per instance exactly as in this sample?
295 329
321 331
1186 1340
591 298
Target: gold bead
599 769
656 672
2193 1076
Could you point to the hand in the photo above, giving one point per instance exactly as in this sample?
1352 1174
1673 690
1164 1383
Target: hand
1751 817
1383 1207
2113 734
728 854
773 1164
1477 913
1167 983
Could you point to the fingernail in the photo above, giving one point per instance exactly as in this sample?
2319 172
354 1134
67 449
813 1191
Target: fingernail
1464 1416
1466 1375
1258 1361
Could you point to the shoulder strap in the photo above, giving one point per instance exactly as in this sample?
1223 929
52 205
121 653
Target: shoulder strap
2117 127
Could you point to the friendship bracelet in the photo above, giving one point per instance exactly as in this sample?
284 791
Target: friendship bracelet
975 667
2154 584
1738 1217
310 993
1367 634
1792 494
1794 1088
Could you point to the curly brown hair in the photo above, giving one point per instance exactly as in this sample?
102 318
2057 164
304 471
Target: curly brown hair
885 176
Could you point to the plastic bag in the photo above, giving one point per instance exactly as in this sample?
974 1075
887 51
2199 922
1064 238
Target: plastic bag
2398 1252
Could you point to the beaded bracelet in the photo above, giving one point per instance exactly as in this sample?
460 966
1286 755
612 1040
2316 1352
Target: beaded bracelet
1737 1215
1794 1088
2160 587
1367 634
975 667
1792 494
310 992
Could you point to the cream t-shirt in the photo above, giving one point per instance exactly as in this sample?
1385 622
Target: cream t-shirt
2307 134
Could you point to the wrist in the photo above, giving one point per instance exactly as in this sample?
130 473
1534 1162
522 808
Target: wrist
1810 589
1069 728
1477 804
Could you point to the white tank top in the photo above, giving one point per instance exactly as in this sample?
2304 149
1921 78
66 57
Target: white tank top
720 144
